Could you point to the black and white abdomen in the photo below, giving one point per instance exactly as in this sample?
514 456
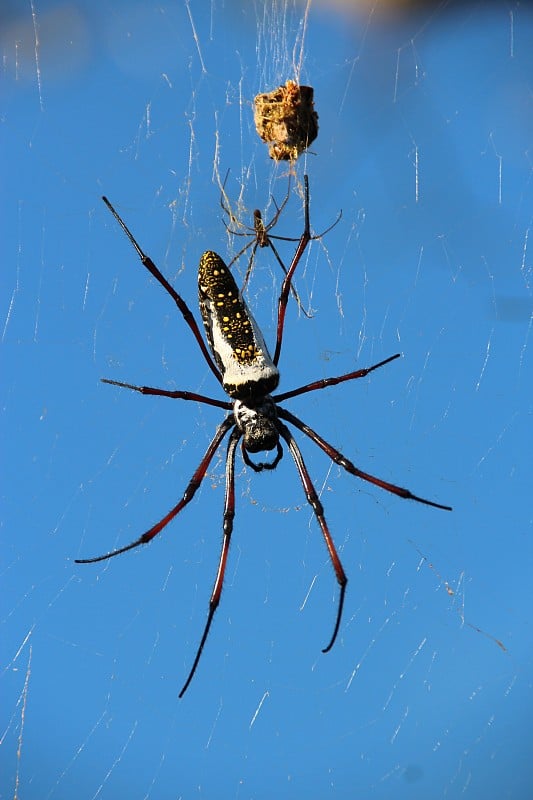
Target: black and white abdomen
237 344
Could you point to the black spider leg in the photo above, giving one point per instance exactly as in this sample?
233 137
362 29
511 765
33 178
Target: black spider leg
314 501
346 464
227 528
189 493
180 302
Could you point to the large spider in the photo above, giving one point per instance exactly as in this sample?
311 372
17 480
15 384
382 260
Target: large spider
248 374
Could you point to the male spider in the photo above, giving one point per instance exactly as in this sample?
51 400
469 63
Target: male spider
241 363
260 236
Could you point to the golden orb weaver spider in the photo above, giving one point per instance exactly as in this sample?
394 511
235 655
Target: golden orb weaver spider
241 363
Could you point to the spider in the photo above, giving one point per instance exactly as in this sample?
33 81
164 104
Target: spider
241 363
261 237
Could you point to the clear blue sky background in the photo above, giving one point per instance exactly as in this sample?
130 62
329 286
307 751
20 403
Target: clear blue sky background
425 145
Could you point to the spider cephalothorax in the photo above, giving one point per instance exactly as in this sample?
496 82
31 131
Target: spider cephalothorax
248 374
257 423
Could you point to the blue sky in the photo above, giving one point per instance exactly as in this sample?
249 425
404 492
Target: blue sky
425 145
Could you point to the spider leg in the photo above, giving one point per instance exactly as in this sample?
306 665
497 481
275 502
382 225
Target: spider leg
229 514
295 294
325 382
261 230
313 500
188 495
314 237
342 461
305 238
242 250
223 196
256 244
266 242
181 304
233 220
177 395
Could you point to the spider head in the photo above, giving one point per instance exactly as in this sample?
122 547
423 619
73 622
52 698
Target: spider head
260 435
257 424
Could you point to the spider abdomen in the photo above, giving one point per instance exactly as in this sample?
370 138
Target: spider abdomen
234 337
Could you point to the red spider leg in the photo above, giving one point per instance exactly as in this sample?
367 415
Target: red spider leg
313 500
181 304
188 495
324 382
264 240
342 461
177 395
229 514
269 243
305 238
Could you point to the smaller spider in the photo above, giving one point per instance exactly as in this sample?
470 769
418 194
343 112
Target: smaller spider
241 363
260 236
